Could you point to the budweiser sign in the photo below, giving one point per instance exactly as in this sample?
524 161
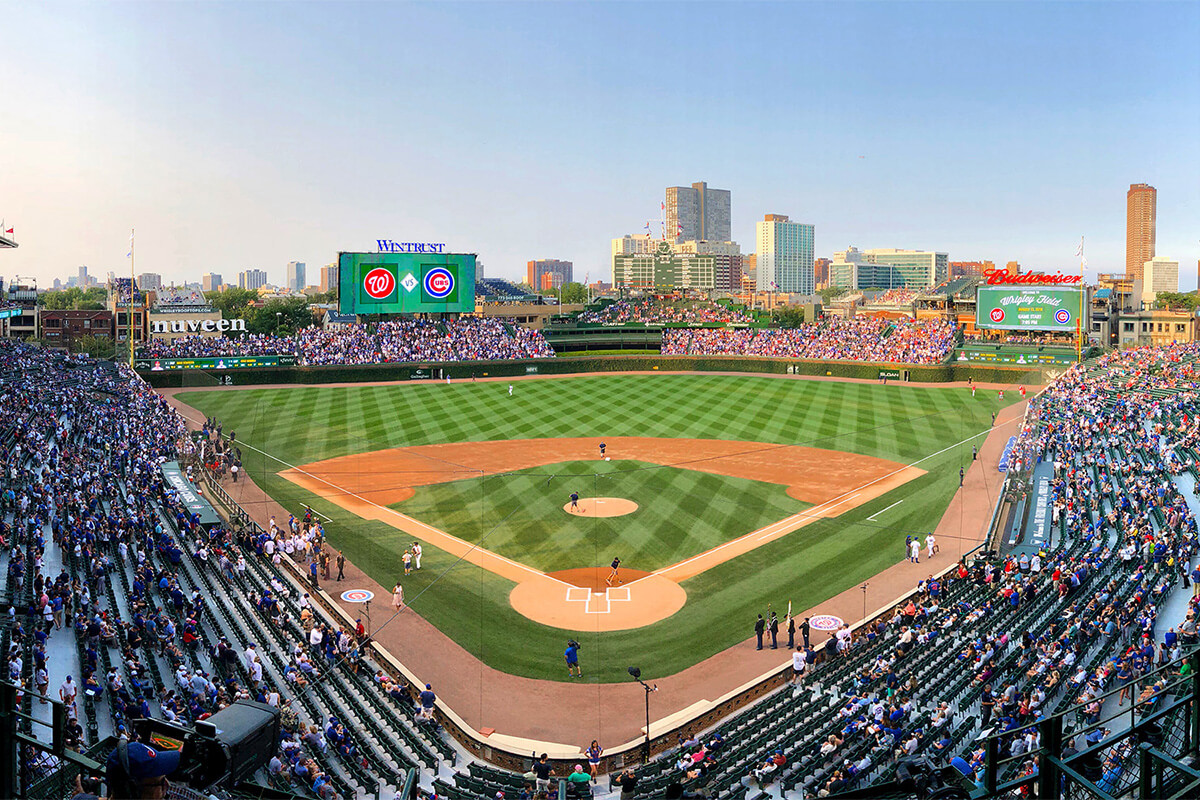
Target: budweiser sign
1000 276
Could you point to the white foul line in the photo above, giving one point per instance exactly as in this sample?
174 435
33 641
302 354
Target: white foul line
470 546
889 508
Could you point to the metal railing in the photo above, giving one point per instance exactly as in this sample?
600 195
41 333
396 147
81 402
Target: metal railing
1163 727
31 767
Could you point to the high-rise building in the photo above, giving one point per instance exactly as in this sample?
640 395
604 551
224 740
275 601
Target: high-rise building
888 269
821 272
149 281
210 282
329 277
698 213
252 279
295 276
1141 203
969 269
560 272
1159 275
785 255
919 269
1013 268
633 244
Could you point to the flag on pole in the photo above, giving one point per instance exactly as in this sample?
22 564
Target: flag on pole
130 253
10 230
1079 253
789 608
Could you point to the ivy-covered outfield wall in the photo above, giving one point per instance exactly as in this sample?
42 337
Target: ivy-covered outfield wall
940 373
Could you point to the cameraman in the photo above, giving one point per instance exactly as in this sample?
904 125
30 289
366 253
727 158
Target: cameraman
572 656
138 772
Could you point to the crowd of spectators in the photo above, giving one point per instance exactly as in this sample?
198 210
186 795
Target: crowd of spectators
401 340
995 643
249 344
895 297
139 588
1021 338
837 338
657 311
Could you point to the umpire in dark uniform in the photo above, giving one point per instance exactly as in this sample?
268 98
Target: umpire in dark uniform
759 626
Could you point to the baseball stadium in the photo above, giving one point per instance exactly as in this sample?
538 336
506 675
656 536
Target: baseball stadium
923 544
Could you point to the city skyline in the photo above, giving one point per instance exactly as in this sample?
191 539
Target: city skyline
122 117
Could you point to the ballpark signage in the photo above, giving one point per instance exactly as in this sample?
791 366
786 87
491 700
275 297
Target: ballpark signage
996 277
213 362
406 283
392 246
197 325
1031 309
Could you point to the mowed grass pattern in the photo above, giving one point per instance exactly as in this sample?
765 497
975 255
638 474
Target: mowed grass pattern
681 513
901 423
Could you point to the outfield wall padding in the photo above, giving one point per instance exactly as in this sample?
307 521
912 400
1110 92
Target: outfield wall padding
465 370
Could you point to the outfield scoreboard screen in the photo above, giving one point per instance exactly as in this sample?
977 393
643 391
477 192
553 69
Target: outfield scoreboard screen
406 283
1028 308
213 362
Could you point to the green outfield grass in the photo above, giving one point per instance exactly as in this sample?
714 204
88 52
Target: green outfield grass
681 513
901 423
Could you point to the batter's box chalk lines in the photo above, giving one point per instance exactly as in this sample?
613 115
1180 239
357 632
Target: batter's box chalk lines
598 602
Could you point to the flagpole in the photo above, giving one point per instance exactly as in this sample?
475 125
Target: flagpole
131 285
1079 319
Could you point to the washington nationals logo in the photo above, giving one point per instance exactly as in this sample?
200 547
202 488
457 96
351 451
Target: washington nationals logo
439 283
379 283
1062 316
997 315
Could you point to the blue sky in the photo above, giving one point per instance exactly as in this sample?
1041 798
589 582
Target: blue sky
246 135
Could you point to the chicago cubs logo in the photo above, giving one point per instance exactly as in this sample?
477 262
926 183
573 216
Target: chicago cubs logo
439 282
997 315
358 595
825 622
379 283
1062 316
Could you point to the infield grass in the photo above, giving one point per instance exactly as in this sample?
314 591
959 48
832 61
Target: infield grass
298 425
680 513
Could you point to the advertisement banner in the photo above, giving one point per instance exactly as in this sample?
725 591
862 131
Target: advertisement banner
406 283
212 362
188 496
1035 308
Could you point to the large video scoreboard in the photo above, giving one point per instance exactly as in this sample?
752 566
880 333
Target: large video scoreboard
406 283
1028 308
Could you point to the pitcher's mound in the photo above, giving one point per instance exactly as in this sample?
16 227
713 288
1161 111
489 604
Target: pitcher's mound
602 507
593 577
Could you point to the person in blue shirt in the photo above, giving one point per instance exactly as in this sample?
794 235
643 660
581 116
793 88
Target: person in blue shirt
571 654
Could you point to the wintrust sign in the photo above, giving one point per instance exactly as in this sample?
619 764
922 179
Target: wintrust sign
997 277
197 325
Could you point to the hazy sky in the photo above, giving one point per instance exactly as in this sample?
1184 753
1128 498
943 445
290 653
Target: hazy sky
246 135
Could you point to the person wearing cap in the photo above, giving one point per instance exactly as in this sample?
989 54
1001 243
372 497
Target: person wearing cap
579 776
427 699
142 773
